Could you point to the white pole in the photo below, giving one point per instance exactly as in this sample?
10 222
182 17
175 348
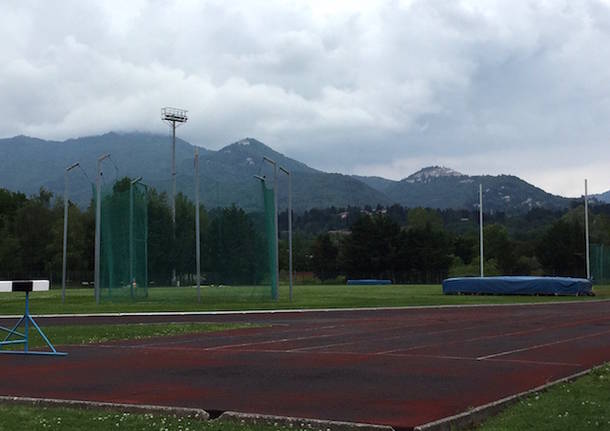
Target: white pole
197 230
587 231
481 228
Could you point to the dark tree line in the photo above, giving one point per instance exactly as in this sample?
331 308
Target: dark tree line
405 245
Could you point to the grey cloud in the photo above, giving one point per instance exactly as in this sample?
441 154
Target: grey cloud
502 86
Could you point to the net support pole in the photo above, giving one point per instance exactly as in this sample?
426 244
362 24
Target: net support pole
132 280
481 229
65 237
197 226
65 240
276 238
131 239
98 215
588 269
289 231
275 227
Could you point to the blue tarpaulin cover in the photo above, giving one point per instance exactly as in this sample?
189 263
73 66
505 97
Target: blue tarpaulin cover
518 286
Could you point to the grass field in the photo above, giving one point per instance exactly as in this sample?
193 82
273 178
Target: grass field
88 334
581 405
245 298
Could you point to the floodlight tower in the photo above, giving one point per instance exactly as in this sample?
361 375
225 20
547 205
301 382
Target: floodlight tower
276 239
65 242
174 117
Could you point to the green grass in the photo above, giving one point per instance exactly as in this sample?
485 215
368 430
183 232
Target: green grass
89 334
245 298
581 405
16 417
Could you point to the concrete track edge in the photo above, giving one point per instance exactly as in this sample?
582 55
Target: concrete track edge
474 417
304 310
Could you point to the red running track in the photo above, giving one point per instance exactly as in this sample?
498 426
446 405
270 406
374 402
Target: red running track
398 367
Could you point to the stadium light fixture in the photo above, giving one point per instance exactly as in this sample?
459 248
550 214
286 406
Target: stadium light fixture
65 238
287 172
98 213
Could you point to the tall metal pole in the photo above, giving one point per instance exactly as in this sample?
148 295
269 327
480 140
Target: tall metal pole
289 231
481 228
65 238
587 231
174 117
174 174
132 280
275 224
197 230
98 214
173 193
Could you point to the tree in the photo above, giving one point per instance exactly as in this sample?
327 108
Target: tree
236 252
498 246
160 238
324 258
561 248
421 217
370 250
425 253
184 244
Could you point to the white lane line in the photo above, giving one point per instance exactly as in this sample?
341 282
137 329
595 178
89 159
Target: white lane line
215 335
340 353
340 334
492 336
347 343
538 346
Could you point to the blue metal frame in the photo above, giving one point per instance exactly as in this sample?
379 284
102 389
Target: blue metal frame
26 319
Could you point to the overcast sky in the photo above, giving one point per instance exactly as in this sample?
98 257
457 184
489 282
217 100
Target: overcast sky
372 88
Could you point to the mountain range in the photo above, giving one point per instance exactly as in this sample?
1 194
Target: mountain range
227 175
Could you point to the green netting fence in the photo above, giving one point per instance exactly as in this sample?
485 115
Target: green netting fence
142 249
124 241
269 203
600 263
237 257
